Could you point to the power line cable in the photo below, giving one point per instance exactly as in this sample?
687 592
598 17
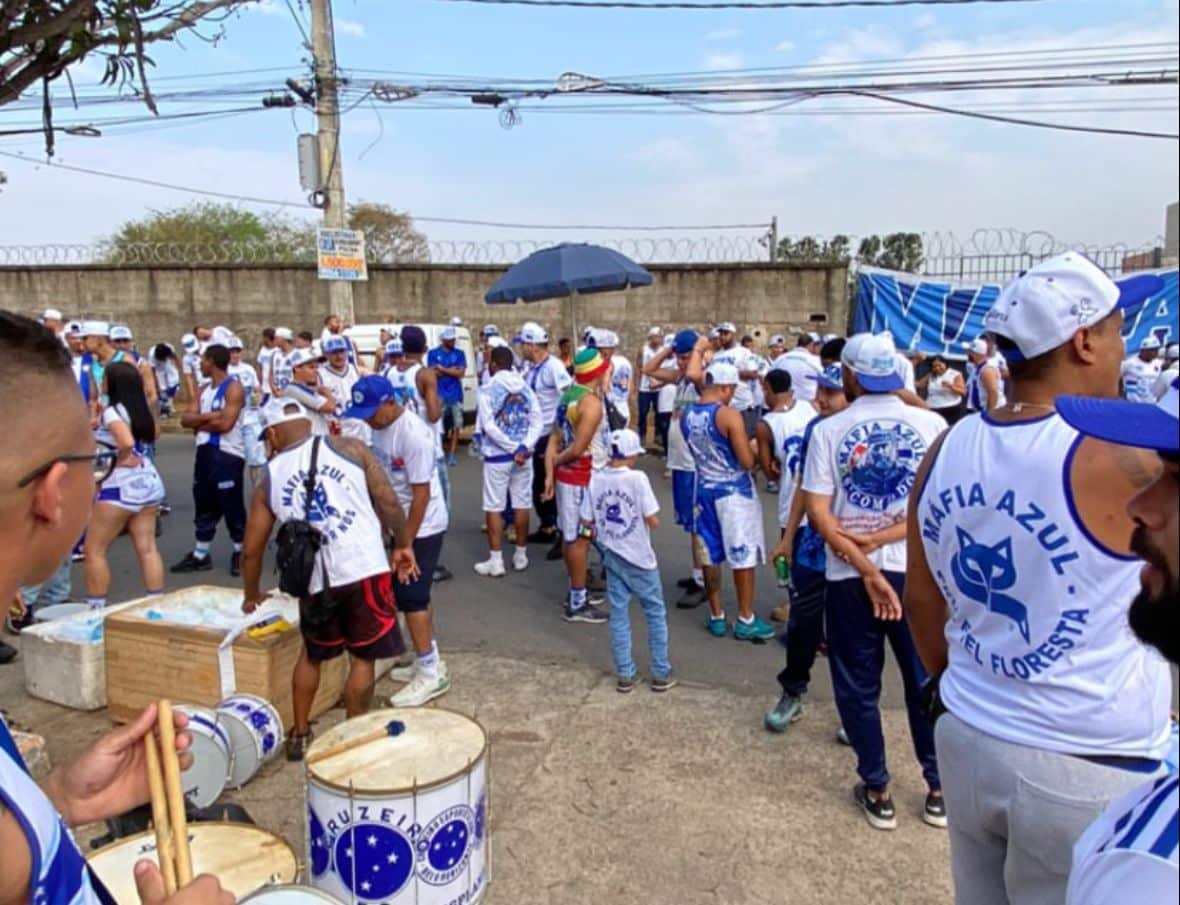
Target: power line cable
745 5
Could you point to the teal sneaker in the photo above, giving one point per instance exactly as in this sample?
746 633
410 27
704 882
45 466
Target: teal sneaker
786 711
716 626
758 630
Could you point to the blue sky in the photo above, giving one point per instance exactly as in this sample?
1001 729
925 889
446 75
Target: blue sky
853 174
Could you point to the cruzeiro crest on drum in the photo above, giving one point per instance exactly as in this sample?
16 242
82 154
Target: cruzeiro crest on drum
373 856
877 461
444 845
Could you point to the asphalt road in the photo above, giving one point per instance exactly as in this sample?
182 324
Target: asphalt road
518 615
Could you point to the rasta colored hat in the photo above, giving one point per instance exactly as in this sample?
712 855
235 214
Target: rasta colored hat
589 365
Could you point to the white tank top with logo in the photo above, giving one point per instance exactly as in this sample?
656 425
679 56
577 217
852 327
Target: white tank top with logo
213 400
977 393
1040 652
787 428
353 542
405 385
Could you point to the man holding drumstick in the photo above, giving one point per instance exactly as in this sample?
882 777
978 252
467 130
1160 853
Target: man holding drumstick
47 486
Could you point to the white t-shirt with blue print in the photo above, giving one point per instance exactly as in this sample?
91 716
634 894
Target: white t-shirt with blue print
618 502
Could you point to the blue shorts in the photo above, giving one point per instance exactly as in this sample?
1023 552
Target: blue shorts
684 486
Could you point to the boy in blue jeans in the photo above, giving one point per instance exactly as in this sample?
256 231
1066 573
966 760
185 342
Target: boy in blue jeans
619 510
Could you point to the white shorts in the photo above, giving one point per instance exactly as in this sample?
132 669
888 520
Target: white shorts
504 481
729 530
133 489
569 505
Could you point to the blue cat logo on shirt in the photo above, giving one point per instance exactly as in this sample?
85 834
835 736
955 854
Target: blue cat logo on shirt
983 571
877 461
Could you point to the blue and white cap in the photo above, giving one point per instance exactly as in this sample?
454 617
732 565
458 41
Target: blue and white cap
120 332
393 349
1128 423
490 330
96 328
335 344
873 359
832 378
625 443
447 334
1149 343
1046 305
189 342
368 395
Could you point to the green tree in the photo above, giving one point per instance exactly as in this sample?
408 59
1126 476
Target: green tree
40 39
390 236
814 250
893 251
197 232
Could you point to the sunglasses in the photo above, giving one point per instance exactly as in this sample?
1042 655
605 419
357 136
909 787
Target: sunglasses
102 463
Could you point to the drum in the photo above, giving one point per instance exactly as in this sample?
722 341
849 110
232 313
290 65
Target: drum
242 856
255 732
290 895
205 780
400 819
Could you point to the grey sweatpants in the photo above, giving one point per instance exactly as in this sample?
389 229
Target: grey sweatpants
1015 813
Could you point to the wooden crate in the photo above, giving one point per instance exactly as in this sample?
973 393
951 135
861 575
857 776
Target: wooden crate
151 659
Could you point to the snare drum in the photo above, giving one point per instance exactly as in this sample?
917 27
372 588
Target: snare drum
205 780
242 856
255 732
402 819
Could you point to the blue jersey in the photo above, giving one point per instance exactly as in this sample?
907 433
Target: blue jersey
717 465
450 389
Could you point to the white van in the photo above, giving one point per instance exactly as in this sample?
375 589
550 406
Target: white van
368 336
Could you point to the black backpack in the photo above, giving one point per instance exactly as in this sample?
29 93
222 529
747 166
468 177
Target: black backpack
298 543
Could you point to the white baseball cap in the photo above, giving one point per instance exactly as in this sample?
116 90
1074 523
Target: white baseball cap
234 344
447 334
74 328
285 333
221 335
456 321
655 331
490 330
189 342
726 327
1149 343
625 443
96 328
120 332
777 340
51 314
873 359
532 332
1045 306
303 356
280 411
978 346
495 341
721 373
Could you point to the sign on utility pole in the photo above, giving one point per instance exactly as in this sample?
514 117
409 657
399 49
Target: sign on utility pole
341 255
323 41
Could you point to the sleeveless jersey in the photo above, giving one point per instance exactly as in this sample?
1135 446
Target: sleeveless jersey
976 394
578 471
679 457
1040 650
341 387
1139 379
787 428
353 542
213 400
248 378
60 874
405 387
717 466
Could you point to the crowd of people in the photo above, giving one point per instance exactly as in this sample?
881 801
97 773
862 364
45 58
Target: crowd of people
986 523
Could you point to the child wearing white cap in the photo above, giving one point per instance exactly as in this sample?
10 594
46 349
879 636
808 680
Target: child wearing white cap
1140 371
619 510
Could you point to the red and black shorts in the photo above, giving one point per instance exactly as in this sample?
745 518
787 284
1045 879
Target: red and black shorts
360 618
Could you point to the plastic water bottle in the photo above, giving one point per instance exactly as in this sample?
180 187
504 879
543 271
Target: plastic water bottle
782 571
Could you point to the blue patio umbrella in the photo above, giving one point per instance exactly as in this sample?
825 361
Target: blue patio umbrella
567 270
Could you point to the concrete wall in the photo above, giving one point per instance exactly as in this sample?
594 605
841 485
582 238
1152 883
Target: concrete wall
161 303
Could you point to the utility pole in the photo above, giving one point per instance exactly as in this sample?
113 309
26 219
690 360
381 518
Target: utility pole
323 39
773 239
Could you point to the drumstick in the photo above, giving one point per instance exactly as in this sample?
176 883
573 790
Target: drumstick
392 729
174 794
164 851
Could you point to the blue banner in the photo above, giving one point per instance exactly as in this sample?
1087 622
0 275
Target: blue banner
940 318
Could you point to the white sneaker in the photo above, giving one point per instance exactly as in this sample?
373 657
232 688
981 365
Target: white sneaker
520 560
421 690
492 568
404 673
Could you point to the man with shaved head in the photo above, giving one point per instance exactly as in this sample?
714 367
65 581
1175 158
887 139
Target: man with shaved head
48 476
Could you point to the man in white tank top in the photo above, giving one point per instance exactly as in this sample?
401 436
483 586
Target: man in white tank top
338 375
350 605
1140 371
985 384
405 447
219 465
859 473
1129 854
1019 568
